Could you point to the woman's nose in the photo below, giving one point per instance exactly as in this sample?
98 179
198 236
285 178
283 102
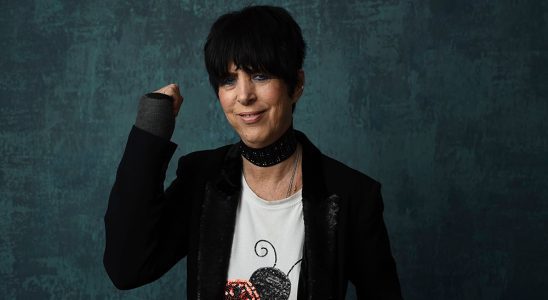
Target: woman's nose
246 92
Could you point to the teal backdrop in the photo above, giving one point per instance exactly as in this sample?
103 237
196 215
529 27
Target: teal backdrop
444 102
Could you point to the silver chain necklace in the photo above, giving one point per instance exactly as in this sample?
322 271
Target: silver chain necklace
291 181
293 175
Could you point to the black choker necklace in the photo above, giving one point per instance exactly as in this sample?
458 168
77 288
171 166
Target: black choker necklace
272 154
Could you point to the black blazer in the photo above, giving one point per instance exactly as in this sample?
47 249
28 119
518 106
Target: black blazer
149 230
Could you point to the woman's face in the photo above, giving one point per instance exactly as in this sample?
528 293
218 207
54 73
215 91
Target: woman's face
257 106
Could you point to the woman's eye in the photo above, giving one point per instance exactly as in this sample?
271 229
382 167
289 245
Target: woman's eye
260 77
228 81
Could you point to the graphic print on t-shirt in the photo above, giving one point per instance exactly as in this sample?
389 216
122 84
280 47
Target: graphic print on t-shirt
265 283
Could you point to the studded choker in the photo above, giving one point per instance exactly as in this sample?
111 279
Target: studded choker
272 154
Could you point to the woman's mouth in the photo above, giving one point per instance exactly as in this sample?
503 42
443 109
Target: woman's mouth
251 117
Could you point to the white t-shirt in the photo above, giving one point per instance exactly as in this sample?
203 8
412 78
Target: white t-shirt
267 247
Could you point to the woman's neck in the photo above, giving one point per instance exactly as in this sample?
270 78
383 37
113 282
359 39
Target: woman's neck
273 154
272 183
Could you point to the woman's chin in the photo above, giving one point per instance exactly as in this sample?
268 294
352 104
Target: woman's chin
259 136
254 140
256 144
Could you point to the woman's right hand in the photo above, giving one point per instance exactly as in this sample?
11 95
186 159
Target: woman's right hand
172 90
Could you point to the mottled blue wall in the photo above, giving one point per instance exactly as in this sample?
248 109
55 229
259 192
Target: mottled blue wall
444 102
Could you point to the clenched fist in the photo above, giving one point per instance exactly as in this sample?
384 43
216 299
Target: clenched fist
172 90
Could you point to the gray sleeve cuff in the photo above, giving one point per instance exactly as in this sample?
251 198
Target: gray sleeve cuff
155 115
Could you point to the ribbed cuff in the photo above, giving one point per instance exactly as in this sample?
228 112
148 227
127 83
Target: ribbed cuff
155 115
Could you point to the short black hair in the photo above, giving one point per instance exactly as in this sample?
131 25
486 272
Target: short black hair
256 39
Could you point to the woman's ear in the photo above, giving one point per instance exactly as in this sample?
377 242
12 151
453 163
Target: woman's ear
299 87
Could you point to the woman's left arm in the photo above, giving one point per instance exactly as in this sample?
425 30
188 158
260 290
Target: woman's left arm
373 269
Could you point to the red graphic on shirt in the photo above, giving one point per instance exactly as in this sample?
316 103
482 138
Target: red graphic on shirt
266 282
240 289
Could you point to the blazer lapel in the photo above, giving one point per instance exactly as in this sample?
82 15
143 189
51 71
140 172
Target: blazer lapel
217 223
321 210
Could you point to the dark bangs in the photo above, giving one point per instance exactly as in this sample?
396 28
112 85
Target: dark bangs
261 39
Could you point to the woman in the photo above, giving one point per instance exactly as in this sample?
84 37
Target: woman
267 218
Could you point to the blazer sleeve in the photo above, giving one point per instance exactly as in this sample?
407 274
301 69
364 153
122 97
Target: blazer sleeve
143 224
373 269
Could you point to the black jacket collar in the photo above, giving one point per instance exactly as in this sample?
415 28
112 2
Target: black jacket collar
218 216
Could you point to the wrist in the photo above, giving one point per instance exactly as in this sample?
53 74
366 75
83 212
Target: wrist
155 115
